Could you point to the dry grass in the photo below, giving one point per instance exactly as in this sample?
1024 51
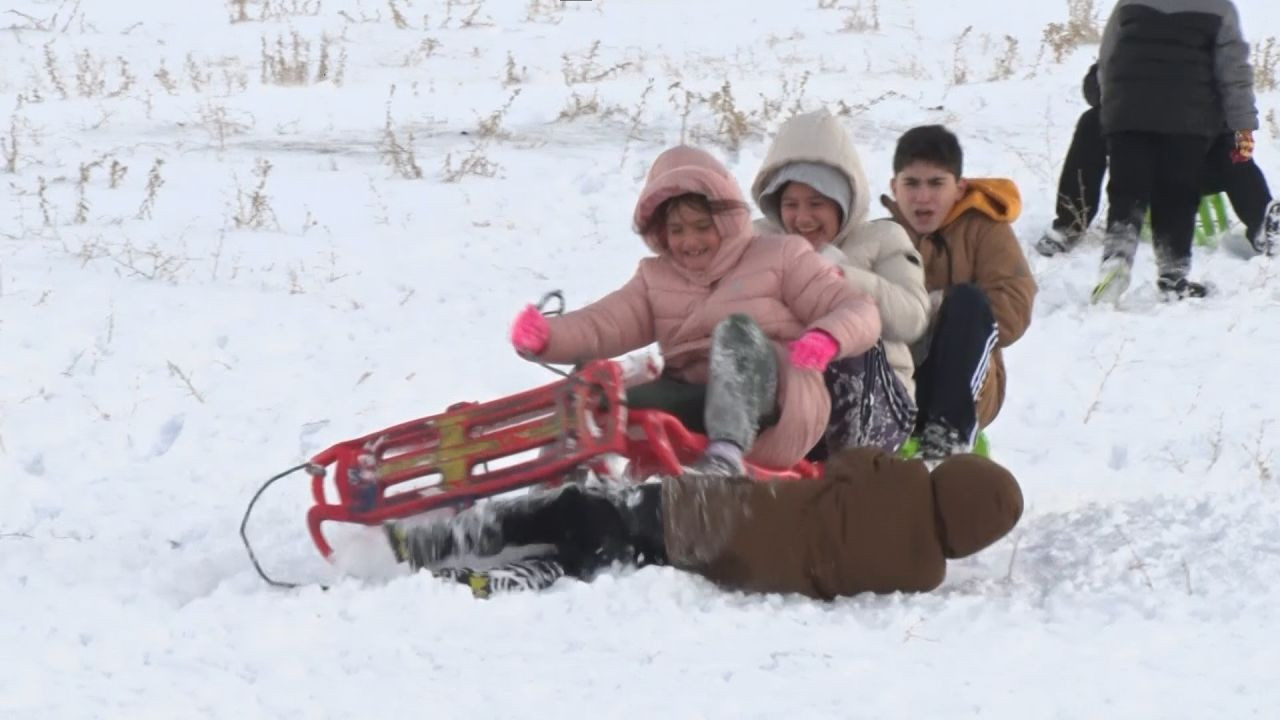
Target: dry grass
253 207
1265 59
1082 27
587 68
242 11
1007 61
861 17
154 183
491 126
9 145
475 163
290 62
396 152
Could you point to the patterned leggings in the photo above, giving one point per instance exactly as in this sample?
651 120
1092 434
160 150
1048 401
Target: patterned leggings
869 405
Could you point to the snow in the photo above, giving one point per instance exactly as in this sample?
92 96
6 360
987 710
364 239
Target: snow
165 354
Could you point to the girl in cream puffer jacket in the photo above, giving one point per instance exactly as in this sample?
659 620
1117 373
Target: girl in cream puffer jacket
812 184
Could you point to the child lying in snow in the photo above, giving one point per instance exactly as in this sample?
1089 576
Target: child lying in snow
873 523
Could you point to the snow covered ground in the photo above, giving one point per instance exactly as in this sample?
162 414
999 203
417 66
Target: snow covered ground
234 233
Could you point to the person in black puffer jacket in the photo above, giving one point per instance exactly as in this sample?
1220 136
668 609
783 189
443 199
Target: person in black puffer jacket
1172 74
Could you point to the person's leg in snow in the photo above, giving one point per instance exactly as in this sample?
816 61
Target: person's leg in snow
742 394
872 523
686 401
1245 185
869 405
576 531
1129 195
1079 186
952 375
739 399
1175 198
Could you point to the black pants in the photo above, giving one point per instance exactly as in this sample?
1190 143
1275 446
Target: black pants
577 531
589 528
1080 184
1243 183
949 379
1165 173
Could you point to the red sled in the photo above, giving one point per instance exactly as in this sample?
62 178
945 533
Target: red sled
477 450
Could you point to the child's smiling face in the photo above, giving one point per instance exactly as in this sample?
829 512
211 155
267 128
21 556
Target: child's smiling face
692 237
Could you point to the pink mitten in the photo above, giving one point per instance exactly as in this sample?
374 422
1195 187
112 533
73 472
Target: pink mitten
530 332
813 350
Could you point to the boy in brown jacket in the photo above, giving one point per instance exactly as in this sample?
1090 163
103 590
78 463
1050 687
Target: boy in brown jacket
980 286
873 523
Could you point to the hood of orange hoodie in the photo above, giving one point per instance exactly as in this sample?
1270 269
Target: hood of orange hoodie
997 198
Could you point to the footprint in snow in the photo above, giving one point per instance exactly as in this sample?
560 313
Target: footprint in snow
168 434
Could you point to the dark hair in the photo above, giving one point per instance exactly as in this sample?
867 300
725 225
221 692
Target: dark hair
933 144
658 220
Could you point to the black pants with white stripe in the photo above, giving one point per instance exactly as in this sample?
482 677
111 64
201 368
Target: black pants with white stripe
948 381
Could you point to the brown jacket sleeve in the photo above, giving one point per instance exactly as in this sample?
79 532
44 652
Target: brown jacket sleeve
819 296
1001 270
617 323
873 523
868 525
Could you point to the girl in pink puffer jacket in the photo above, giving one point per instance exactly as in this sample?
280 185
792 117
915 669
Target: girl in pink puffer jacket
746 323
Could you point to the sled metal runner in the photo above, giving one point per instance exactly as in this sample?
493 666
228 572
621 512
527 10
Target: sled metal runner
476 450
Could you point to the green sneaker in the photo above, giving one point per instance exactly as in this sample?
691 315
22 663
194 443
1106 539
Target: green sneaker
1113 281
982 446
911 448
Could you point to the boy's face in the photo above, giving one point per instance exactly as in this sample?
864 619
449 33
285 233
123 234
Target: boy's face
926 193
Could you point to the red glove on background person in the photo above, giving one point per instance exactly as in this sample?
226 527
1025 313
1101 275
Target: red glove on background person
530 333
1244 147
813 350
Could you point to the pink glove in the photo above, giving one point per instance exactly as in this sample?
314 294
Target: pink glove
530 332
813 350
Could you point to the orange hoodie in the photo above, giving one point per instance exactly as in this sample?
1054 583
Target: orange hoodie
976 245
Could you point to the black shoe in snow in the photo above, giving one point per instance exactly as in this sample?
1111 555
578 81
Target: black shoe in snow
1268 240
1177 287
518 576
1057 242
939 441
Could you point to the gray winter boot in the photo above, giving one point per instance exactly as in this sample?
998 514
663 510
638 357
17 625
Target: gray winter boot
1118 250
742 383
722 459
